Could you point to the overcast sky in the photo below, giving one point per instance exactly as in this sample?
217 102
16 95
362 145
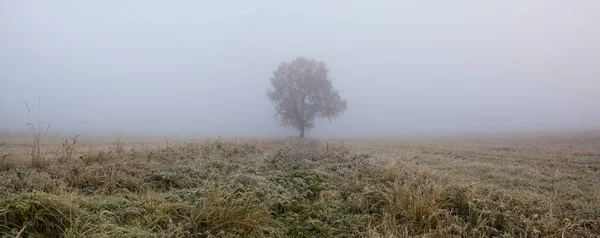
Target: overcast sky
203 67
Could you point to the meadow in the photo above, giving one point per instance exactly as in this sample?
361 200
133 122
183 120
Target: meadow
504 186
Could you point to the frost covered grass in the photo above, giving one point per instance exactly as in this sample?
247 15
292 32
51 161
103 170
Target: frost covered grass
304 188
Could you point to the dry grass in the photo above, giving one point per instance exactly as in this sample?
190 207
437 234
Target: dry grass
511 187
67 149
119 146
35 128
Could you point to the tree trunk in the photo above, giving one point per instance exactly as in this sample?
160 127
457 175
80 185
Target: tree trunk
302 131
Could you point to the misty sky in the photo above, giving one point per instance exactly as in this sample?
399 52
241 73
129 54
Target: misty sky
202 68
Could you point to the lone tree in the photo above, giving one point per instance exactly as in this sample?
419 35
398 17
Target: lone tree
302 91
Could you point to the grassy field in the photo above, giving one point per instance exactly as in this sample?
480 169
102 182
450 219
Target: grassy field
546 186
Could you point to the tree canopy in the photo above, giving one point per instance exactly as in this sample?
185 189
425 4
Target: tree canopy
302 91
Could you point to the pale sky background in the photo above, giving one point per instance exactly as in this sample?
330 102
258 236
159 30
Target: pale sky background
201 68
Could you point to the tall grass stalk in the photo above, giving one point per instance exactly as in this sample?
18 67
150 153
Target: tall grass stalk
36 135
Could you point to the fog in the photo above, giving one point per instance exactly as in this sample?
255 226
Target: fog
200 68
